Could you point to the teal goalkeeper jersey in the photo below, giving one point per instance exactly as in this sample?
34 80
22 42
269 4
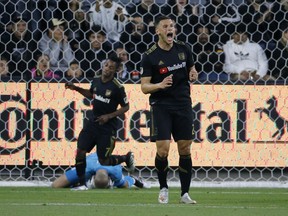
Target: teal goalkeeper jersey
92 165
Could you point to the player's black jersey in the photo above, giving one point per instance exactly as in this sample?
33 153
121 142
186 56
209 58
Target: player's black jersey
107 96
158 64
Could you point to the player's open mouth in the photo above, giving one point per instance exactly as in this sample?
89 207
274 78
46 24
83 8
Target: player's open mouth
170 36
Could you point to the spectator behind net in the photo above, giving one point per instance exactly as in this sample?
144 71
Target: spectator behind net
18 47
54 43
279 61
76 19
111 16
220 17
93 51
182 12
74 71
244 59
4 70
42 69
208 58
144 11
263 19
126 68
136 39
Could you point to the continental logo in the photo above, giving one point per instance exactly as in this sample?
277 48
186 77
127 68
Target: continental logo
230 127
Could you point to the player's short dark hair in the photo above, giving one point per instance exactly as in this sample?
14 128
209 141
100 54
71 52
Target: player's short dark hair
113 57
159 19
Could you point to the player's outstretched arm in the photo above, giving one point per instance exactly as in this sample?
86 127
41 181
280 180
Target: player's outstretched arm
85 92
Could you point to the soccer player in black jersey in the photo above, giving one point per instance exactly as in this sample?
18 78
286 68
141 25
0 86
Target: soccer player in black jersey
107 94
167 68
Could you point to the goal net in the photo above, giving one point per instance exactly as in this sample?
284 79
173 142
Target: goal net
240 128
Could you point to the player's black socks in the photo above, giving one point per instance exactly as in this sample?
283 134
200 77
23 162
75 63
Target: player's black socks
117 159
161 165
80 169
185 172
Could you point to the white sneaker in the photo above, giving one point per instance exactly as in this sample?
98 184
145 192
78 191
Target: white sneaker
79 188
186 199
163 196
146 185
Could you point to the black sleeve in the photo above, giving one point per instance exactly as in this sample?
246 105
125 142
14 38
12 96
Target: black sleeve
146 66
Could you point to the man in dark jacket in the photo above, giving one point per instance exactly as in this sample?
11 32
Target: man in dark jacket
18 47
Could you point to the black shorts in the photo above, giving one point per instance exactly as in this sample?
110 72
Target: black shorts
102 136
166 121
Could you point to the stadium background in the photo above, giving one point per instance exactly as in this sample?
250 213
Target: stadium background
40 122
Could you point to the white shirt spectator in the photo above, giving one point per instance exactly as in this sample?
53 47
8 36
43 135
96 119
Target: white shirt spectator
52 49
105 17
245 56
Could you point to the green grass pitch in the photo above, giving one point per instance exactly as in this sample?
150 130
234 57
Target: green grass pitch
42 201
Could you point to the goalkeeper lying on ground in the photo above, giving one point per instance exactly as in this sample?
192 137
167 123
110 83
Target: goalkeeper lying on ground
98 176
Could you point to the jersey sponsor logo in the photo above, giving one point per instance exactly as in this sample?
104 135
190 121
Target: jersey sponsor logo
163 70
172 68
102 99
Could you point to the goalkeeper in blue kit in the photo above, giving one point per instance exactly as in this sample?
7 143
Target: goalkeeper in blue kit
98 176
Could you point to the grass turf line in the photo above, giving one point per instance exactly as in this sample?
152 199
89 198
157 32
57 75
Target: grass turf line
43 201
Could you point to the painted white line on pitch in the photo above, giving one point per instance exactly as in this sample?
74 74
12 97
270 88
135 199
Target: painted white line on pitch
147 191
194 184
140 205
